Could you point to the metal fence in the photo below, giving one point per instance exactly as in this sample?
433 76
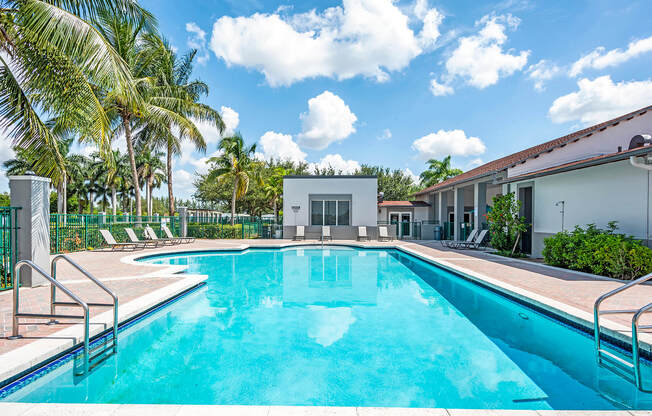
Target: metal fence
243 228
77 232
8 245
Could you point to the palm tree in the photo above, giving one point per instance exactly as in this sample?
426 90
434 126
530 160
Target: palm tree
273 188
43 44
177 92
152 169
235 165
438 171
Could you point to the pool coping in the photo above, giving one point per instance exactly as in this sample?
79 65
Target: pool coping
24 360
574 316
49 409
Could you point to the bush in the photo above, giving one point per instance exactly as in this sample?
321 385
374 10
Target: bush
599 251
222 231
505 224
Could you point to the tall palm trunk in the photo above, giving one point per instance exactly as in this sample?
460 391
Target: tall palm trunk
170 193
132 161
114 200
150 180
235 188
91 197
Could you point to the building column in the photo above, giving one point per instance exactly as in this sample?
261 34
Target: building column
32 195
458 210
443 208
434 211
183 221
479 204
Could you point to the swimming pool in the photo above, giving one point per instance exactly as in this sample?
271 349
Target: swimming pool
342 327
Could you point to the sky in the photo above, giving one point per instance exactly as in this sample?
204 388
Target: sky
394 83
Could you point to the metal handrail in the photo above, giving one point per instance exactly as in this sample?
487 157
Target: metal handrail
598 301
16 300
635 352
53 302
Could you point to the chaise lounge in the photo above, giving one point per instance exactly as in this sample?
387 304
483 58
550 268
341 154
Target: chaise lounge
115 246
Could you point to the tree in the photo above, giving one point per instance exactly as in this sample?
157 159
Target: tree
505 223
235 166
273 187
438 171
395 184
177 93
43 43
152 169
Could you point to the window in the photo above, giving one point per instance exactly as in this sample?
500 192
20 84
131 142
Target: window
330 212
317 213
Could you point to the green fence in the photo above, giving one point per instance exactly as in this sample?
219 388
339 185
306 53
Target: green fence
75 232
8 245
242 229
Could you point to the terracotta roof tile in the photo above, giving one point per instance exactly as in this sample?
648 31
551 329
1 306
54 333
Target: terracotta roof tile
413 204
518 157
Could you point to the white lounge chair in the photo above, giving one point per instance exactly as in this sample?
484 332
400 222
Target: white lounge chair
300 233
134 239
108 238
383 234
167 241
326 233
459 243
169 234
362 234
477 243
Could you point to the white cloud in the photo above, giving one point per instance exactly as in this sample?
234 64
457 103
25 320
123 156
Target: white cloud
415 178
541 72
182 184
448 142
6 153
197 40
385 135
328 120
337 162
231 120
599 59
480 58
211 136
371 38
280 147
475 163
601 99
439 90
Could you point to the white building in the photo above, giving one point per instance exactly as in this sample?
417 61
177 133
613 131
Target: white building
595 175
342 202
410 214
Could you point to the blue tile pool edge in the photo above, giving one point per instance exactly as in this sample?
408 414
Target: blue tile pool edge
48 365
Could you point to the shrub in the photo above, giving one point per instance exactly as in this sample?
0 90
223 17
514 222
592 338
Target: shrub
598 251
221 231
505 224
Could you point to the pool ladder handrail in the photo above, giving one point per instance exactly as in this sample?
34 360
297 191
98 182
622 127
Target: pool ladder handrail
52 316
634 365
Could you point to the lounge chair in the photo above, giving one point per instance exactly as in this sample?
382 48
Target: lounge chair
169 234
108 238
459 243
326 233
477 243
383 234
300 233
362 234
166 241
144 243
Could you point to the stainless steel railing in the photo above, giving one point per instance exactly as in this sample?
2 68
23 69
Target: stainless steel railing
634 365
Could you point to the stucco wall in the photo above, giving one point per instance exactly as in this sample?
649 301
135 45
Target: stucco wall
363 191
610 192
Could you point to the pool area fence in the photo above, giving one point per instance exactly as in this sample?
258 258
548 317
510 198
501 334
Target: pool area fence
8 245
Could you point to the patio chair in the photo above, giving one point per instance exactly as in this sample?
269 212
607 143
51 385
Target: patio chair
108 238
362 234
479 241
149 231
144 243
300 233
326 233
383 235
459 243
168 233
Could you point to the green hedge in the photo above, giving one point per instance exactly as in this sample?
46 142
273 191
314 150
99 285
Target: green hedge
599 251
223 231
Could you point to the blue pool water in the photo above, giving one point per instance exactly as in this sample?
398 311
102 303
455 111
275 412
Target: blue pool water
342 327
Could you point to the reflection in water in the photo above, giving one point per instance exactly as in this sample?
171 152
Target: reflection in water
342 327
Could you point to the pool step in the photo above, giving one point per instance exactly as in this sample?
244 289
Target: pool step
97 355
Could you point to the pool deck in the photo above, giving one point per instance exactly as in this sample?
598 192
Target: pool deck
141 286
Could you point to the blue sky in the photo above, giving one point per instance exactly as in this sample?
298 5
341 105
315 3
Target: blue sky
396 82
